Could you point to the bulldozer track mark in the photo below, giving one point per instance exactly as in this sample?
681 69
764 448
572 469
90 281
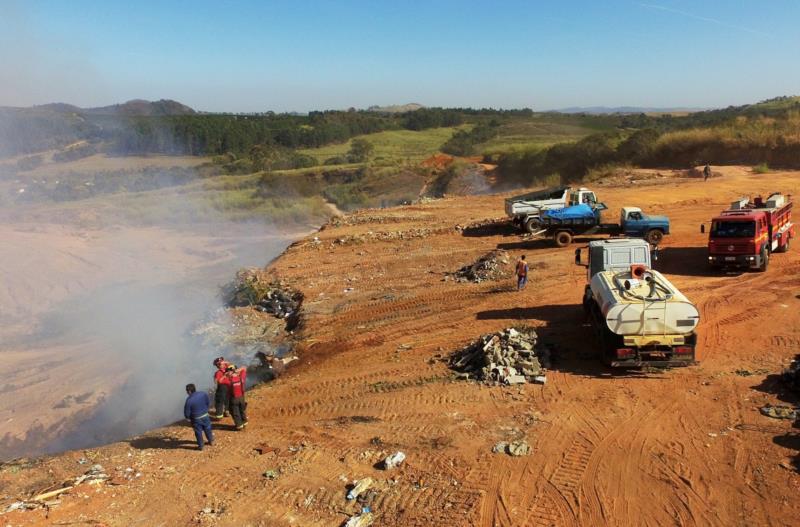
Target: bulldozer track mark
741 318
785 341
445 299
549 509
354 382
567 477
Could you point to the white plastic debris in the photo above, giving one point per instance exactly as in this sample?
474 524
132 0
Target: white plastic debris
394 460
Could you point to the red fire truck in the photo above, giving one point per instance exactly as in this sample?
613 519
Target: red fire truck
750 231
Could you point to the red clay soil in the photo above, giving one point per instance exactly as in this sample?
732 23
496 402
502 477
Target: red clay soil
679 447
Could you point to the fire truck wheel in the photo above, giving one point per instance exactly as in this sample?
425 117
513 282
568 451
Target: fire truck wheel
764 260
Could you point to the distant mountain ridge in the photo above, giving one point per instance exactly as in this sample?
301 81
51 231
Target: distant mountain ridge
135 107
596 110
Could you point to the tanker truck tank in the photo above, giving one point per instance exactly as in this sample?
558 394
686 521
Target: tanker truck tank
647 304
642 318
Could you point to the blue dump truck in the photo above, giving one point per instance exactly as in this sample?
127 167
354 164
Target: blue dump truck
563 224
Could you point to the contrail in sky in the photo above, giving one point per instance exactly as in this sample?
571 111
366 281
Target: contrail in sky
705 19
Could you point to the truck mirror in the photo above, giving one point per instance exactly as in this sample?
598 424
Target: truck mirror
577 256
654 254
702 228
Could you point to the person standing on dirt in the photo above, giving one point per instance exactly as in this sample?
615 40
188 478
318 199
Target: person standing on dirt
196 411
522 273
706 172
238 380
222 391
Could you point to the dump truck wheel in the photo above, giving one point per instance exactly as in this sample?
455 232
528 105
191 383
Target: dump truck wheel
654 236
563 238
532 225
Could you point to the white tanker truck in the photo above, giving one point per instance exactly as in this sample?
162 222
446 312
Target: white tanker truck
640 318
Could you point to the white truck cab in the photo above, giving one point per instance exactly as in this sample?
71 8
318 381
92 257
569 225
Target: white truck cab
615 254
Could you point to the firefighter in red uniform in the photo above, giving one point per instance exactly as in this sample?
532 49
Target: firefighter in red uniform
238 380
223 384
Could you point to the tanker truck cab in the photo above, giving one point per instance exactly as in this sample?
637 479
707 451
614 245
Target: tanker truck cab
638 316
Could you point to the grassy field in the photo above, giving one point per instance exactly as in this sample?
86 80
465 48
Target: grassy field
392 146
541 131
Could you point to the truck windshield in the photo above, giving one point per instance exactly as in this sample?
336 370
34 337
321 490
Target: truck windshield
733 229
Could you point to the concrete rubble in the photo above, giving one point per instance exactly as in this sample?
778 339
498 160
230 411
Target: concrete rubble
491 266
508 357
514 448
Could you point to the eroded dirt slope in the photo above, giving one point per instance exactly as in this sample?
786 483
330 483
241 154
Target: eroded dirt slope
681 447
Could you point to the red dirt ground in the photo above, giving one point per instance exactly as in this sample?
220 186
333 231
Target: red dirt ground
680 447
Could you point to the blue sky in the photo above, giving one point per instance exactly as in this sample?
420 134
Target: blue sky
295 55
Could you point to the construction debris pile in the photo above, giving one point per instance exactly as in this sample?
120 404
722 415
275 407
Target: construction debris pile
791 375
361 219
252 288
508 357
410 234
491 266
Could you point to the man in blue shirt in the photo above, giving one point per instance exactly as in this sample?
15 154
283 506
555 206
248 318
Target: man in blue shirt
196 411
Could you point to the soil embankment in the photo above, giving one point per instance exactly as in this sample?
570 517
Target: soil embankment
679 447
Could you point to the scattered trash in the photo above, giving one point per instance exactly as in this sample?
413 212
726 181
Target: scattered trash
361 486
264 448
491 266
271 474
394 460
515 448
360 520
748 373
507 357
779 412
51 494
93 476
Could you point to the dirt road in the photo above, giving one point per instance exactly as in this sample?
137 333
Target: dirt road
680 447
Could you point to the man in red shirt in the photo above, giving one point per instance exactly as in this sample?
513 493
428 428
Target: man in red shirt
223 385
522 273
238 380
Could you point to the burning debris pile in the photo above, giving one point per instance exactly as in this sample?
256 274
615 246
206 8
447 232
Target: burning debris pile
508 357
252 288
491 266
791 375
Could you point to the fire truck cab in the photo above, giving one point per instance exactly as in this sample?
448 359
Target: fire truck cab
749 232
